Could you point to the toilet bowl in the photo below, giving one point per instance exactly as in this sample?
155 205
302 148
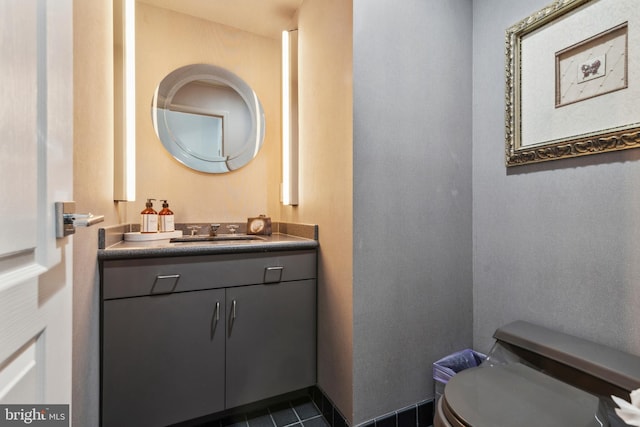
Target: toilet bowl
534 376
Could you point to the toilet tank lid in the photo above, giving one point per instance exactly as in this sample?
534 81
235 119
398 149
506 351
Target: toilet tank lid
613 366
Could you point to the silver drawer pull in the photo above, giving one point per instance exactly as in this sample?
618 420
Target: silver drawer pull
217 311
168 276
273 274
233 310
165 284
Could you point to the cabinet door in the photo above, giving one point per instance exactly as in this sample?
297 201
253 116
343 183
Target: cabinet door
163 358
271 340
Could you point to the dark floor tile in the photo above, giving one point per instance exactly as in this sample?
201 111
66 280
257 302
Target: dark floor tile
408 417
259 419
388 421
316 395
305 408
338 419
316 422
425 414
327 409
283 414
234 421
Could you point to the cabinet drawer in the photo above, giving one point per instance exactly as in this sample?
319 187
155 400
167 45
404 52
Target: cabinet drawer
136 277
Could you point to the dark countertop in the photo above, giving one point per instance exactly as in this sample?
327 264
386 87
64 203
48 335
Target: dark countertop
113 247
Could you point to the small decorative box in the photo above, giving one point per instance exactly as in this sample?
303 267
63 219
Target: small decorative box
259 225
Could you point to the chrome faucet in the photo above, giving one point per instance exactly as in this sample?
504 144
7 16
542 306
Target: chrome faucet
213 229
194 229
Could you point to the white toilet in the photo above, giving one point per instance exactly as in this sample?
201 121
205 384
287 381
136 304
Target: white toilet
538 377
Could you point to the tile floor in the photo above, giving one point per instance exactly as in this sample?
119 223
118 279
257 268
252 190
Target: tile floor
313 410
299 412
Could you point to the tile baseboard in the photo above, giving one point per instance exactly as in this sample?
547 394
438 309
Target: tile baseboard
418 415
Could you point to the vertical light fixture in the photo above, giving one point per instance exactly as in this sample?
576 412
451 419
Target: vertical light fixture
290 117
124 100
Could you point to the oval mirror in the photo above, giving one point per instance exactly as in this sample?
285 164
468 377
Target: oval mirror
208 118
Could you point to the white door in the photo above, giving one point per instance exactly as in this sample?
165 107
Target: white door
36 159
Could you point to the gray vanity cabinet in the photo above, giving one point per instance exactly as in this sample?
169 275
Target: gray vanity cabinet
270 349
184 337
164 358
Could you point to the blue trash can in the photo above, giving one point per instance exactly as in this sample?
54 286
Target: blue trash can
445 368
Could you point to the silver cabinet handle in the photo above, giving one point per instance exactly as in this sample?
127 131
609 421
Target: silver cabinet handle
272 274
164 284
214 320
167 276
233 317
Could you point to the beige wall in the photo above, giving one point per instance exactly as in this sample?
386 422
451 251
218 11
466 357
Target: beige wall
325 150
325 161
93 189
326 182
167 40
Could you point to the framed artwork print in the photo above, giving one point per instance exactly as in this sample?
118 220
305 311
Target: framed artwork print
573 81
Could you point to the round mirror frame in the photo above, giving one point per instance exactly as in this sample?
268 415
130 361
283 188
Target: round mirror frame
177 146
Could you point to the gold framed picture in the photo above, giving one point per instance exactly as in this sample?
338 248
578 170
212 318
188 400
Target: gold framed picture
572 81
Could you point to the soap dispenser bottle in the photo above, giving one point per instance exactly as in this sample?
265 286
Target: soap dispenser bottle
165 218
149 219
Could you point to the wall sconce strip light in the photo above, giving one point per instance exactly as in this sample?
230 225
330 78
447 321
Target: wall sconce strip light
290 117
125 111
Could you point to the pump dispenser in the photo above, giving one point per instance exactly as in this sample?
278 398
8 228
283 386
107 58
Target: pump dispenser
149 219
165 218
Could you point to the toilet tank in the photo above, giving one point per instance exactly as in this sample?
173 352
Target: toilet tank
592 367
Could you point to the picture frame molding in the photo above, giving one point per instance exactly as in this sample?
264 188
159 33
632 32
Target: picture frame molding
604 140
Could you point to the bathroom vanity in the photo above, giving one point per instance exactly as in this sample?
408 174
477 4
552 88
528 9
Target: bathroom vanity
191 329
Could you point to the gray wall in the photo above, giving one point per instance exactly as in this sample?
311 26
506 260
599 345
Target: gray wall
412 288
557 243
